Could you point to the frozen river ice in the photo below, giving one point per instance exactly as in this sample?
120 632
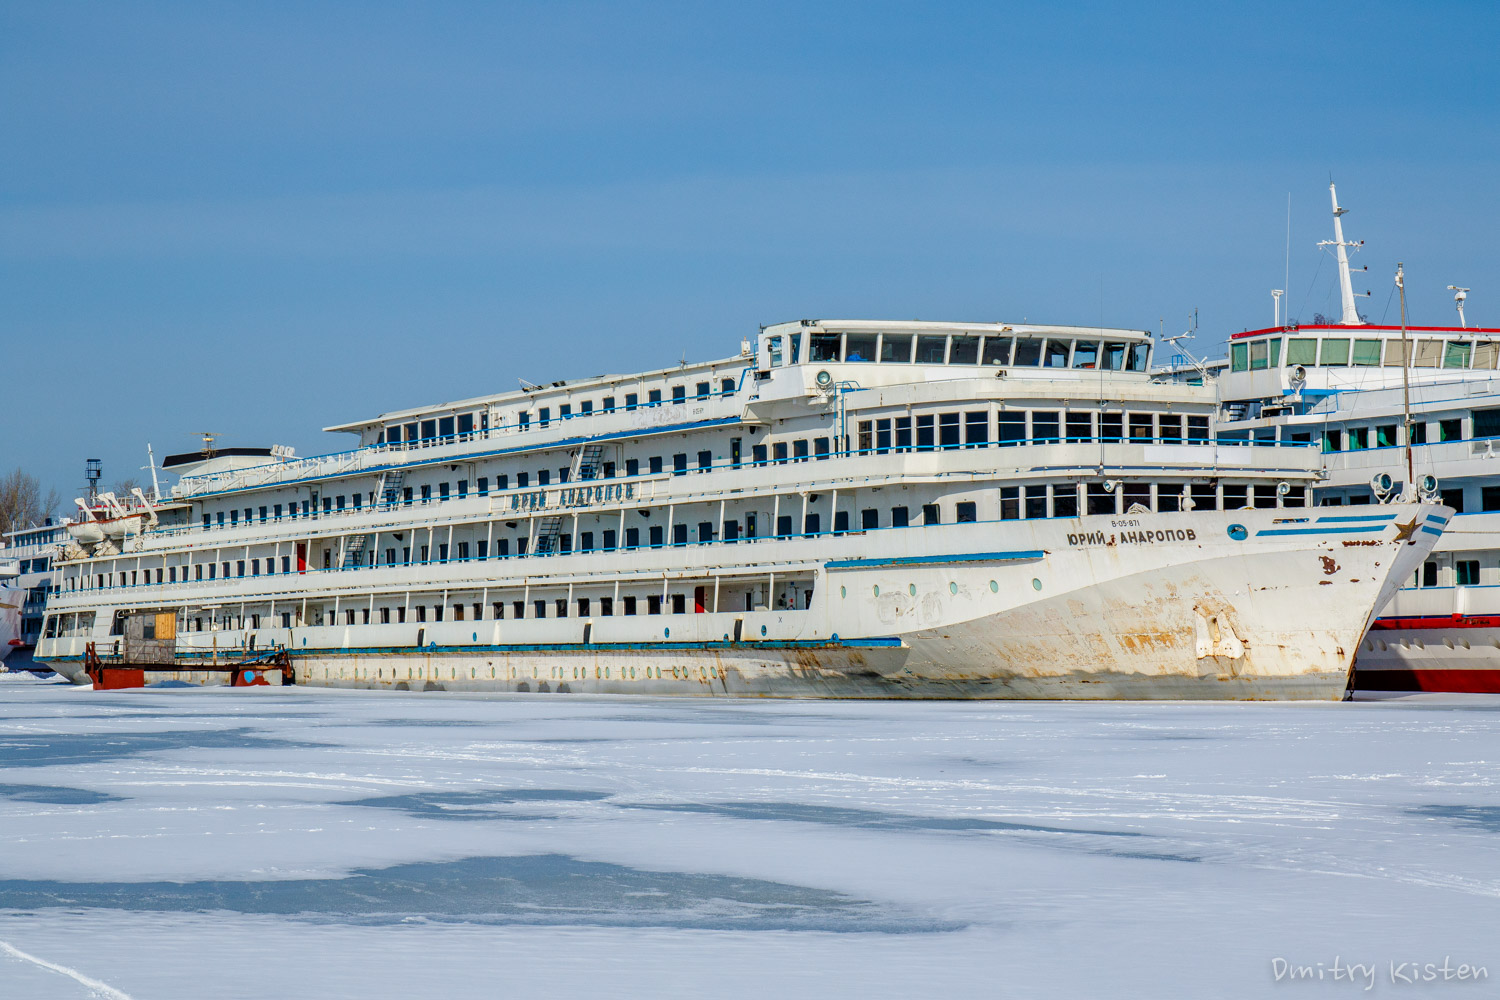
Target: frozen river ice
293 842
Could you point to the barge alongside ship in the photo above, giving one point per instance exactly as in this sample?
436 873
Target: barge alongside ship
845 509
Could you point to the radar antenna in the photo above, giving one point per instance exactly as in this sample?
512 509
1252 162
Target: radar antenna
1459 294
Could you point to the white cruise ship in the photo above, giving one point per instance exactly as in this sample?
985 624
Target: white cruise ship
1347 388
844 509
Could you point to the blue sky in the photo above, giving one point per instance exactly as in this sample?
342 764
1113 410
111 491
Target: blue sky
260 219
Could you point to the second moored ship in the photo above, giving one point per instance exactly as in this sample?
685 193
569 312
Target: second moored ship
846 509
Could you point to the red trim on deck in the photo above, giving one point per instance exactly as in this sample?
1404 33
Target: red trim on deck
1438 621
1450 681
1362 326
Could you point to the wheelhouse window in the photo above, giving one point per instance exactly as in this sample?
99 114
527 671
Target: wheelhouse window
1114 356
963 351
1335 351
1456 354
1028 352
823 347
1366 353
1086 354
997 351
860 346
895 348
931 350
1056 354
1259 355
1302 351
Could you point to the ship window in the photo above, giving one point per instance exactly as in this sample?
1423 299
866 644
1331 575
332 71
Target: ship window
812 524
1429 574
254 567
653 397
429 429
1137 495
895 348
1140 356
925 439
1065 501
463 551
1114 356
679 393
1101 500
466 423
426 495
544 415
607 404
411 433
1010 503
900 517
632 401
629 605
1239 355
1486 352
1486 423
1012 428
823 347
539 609
948 430
783 525
234 517
931 350
1044 427
1036 503
964 351
1296 496
966 511
820 448
859 346
869 519
931 514
1140 427
1234 497
1258 355
903 433
1333 441
1456 355
445 427
1265 496
996 351
1197 430
1171 428
679 465
705 389
1028 352
544 477
726 387
239 567
1056 355
1468 572
565 411
1301 351
1428 352
758 454
1111 426
1366 352
1204 496
1086 354
779 450
799 452
1080 426
1385 436
1450 430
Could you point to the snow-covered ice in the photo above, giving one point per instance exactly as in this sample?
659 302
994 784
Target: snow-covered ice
294 842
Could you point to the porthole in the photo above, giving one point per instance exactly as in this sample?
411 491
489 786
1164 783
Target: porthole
843 591
666 633
911 588
632 673
762 630
994 587
953 588
875 589
1036 584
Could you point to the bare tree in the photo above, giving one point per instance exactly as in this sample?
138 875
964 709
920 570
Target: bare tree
122 488
22 502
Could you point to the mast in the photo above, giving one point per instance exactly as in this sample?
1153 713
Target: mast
1405 375
1346 287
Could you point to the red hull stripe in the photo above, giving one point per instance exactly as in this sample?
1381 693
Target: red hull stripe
1450 681
1438 621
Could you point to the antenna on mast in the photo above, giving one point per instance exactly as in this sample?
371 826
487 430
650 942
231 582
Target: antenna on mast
1459 294
1276 294
151 464
1411 488
1346 288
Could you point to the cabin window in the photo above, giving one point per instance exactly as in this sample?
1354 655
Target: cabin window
1366 352
1467 571
653 604
967 512
466 423
429 429
1259 355
1086 354
931 350
976 430
706 458
1234 497
632 401
1056 354
1065 501
824 347
1101 500
1028 352
758 454
1111 426
1486 423
1302 351
565 411
903 433
1335 351
1333 441
996 351
948 430
895 348
1080 426
820 448
679 394
1197 430
1359 438
1456 355
653 397
1010 503
544 415
445 427
1486 352
679 465
523 420
932 514
1450 430
799 452
705 389
779 450
925 439
1385 436
1239 357
1044 426
1140 427
860 346
1428 353
900 517
812 524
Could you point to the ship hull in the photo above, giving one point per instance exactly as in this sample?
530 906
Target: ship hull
1220 605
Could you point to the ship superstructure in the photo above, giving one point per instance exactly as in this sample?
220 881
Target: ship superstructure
845 508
